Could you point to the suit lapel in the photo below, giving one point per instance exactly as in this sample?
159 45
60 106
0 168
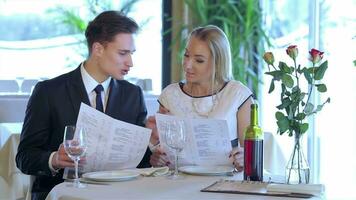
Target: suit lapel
77 90
112 108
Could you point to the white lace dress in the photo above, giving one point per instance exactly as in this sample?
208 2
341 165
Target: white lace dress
224 105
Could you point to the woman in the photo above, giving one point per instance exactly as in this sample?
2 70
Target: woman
208 91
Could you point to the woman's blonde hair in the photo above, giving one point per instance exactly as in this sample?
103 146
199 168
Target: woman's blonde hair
220 50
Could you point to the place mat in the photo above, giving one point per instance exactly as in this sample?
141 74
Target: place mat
249 188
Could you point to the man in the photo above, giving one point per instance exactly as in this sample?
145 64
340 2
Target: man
97 82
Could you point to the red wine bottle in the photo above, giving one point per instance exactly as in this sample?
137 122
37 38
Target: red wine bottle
253 149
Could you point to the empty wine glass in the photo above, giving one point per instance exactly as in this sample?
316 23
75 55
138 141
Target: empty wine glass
19 81
75 145
175 139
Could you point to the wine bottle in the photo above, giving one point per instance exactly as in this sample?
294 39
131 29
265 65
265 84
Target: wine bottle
253 148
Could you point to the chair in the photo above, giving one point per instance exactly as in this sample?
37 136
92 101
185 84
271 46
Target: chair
144 84
13 108
9 86
28 84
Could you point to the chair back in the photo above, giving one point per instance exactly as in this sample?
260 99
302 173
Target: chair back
9 86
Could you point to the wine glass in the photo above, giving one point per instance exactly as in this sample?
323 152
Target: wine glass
176 139
19 81
75 145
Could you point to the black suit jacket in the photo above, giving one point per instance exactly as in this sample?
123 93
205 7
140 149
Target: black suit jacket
54 104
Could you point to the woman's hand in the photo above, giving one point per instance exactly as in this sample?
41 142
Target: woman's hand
237 158
151 124
159 158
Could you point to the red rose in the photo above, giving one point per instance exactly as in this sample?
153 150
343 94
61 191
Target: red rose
315 55
292 51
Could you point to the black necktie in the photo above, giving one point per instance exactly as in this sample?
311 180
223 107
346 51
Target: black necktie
99 102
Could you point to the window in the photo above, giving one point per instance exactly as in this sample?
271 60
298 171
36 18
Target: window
35 43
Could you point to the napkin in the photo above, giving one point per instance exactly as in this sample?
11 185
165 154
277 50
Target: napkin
313 189
154 171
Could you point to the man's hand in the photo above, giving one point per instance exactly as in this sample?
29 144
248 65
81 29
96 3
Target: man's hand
61 159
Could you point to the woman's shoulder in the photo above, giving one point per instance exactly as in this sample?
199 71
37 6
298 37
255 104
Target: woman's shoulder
237 86
237 93
171 87
171 90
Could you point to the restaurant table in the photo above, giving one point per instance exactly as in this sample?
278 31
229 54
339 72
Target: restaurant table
152 188
7 129
13 183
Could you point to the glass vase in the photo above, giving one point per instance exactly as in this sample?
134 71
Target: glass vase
297 169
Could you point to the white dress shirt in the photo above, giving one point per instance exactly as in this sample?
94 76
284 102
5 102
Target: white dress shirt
90 83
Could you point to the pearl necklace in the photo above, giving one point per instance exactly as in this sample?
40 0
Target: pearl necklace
198 102
198 109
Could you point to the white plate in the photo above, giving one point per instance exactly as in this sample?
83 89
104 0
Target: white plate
111 176
207 170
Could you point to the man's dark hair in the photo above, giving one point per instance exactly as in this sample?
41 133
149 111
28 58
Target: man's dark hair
106 26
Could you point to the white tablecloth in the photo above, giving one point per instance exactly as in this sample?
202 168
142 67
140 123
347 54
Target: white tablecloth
4 135
13 183
151 188
7 129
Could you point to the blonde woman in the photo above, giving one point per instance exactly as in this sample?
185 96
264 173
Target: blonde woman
208 90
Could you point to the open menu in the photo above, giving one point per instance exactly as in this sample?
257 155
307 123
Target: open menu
207 143
112 144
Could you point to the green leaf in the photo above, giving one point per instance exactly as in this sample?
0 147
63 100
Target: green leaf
283 124
283 87
285 103
303 127
321 87
295 95
279 115
319 107
271 87
284 67
308 76
287 80
311 70
277 75
301 97
299 70
309 108
300 116
355 63
319 74
295 89
280 65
